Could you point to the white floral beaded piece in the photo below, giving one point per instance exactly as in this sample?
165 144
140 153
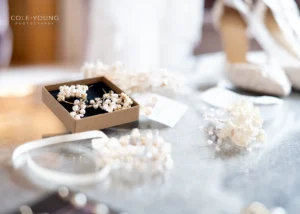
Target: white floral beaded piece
109 101
78 109
136 81
143 152
240 125
96 103
112 102
78 91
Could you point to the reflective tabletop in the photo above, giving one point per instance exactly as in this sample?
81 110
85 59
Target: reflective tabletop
202 180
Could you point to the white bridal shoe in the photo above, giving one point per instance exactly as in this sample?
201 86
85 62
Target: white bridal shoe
275 25
233 17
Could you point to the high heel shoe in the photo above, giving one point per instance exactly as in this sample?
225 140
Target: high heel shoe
232 17
278 35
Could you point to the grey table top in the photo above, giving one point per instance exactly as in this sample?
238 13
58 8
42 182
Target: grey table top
202 180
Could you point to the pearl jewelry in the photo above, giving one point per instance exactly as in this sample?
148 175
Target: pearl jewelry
101 209
109 102
79 200
72 114
75 108
113 101
145 81
135 151
72 91
77 117
240 125
63 192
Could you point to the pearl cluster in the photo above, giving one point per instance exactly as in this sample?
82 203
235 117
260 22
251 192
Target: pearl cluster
78 91
111 102
239 125
147 109
162 81
257 207
78 109
143 152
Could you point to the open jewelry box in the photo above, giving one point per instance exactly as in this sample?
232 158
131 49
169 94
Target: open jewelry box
93 119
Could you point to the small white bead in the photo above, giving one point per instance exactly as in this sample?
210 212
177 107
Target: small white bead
101 209
75 108
79 200
82 111
105 106
76 102
92 102
77 117
72 114
63 192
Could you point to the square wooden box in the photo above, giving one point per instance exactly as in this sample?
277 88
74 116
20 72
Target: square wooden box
94 121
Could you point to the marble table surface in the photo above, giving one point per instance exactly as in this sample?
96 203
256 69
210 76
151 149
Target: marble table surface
202 180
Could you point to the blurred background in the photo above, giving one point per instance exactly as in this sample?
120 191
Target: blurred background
72 31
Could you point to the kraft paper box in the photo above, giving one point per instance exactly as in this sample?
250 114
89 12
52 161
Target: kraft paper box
93 119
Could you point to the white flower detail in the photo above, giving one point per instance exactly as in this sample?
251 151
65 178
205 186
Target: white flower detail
140 151
78 91
136 81
241 125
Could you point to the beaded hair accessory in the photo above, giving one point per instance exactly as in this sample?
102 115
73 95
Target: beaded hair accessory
138 151
162 81
240 125
109 102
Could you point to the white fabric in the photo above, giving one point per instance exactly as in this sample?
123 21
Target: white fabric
143 34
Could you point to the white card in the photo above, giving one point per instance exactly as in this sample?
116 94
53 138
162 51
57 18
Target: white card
165 110
223 98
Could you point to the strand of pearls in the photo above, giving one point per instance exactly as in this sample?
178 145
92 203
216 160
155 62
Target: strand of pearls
142 152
